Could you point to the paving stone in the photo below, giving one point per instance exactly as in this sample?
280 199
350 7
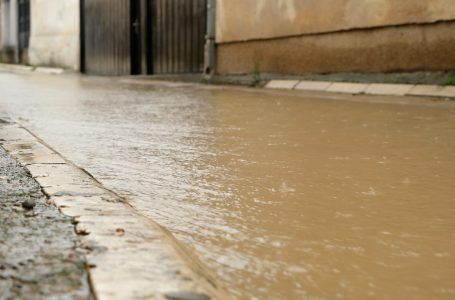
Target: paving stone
388 89
282 84
32 152
433 91
12 67
186 296
350 88
54 71
13 133
313 85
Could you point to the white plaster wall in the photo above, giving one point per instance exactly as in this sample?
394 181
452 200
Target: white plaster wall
55 39
13 34
2 23
8 23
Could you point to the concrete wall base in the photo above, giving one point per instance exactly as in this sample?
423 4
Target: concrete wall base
62 51
398 48
7 55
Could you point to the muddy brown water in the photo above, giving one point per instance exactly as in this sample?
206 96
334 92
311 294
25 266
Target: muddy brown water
283 197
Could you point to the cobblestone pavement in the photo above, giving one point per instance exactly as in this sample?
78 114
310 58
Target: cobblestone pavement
39 254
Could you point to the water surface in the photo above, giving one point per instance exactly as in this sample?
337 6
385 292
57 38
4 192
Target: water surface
283 197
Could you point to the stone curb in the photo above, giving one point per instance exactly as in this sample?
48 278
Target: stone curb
52 71
22 68
14 68
365 88
282 84
129 256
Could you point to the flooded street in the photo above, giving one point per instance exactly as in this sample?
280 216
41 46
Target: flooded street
283 197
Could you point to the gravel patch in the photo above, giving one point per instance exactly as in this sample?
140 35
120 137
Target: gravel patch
40 256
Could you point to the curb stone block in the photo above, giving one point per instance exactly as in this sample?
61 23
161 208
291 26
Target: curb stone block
282 84
13 67
313 85
388 89
52 71
350 88
433 90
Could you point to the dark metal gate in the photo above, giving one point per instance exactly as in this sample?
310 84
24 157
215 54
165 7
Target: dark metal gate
105 35
178 29
122 37
23 26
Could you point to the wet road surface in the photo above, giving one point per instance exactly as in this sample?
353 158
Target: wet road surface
283 197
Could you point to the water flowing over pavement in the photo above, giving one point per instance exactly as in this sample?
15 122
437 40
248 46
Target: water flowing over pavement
283 197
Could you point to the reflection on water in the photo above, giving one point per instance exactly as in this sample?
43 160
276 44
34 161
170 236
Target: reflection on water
284 197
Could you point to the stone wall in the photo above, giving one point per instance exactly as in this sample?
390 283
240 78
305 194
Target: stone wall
55 33
319 36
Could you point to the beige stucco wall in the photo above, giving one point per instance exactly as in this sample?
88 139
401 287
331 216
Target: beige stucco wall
241 20
54 39
404 48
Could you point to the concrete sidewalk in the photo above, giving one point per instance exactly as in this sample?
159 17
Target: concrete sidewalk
384 89
40 254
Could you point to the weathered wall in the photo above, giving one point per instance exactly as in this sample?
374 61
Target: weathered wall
2 23
9 26
9 31
403 48
54 39
241 20
319 36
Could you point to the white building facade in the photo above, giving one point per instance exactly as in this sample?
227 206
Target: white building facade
55 33
40 32
9 31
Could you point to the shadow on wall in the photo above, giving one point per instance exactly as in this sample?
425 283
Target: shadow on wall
7 55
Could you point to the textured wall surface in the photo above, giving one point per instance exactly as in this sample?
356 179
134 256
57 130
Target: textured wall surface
2 23
54 37
8 23
241 20
403 48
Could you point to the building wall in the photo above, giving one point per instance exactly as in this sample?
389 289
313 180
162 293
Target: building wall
55 33
2 23
318 36
9 31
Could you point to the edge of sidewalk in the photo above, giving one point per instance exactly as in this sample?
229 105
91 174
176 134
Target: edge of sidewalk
379 89
129 255
24 68
309 85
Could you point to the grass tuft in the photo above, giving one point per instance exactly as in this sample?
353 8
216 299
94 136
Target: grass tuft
451 80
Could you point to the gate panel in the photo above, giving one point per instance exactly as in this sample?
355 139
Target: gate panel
178 35
24 26
106 33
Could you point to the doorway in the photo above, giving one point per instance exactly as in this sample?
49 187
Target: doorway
122 37
178 29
